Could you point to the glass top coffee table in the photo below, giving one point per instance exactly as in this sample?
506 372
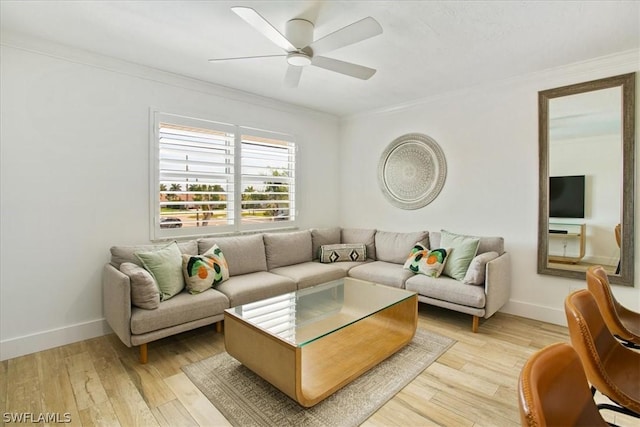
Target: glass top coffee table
312 342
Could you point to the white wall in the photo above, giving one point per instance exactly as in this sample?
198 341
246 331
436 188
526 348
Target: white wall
489 135
75 177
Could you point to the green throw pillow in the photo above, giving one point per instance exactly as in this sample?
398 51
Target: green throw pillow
165 265
463 250
204 271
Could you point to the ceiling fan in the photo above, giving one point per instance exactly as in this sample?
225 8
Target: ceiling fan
301 50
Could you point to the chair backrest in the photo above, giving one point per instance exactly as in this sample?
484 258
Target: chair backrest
598 285
553 390
606 362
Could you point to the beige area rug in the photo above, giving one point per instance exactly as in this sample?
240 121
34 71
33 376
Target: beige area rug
245 399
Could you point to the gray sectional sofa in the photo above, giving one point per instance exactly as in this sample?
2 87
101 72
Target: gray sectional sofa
270 264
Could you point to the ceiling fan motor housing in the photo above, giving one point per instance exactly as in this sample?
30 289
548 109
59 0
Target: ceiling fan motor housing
299 32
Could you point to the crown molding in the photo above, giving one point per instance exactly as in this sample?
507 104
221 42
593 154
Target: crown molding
54 50
605 66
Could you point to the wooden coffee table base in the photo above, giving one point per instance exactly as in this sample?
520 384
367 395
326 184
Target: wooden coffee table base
310 373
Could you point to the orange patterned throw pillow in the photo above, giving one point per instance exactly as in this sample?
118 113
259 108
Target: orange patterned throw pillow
201 272
428 262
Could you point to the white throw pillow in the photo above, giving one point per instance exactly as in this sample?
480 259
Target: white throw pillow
476 271
144 289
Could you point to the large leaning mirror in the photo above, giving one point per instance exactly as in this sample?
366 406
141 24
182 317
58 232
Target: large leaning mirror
586 183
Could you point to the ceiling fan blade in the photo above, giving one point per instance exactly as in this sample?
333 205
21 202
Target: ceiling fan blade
256 20
358 31
245 57
353 70
292 78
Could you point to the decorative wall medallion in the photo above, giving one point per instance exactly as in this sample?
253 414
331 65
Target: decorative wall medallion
412 171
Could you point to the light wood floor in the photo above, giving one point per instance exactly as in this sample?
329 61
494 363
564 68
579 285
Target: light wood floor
581 266
100 382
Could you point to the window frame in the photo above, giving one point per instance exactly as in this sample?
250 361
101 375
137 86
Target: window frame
237 227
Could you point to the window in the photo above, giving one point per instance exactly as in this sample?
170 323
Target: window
268 180
213 177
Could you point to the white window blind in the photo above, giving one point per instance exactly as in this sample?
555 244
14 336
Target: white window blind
196 177
210 177
268 180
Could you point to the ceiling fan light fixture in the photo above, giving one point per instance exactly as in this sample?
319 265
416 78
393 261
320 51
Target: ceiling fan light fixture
298 59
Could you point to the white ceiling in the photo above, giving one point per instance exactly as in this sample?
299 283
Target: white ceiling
427 47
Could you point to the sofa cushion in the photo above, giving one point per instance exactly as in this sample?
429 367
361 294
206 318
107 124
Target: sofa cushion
120 254
255 286
425 261
360 235
290 248
463 250
204 271
476 271
343 252
386 273
144 289
323 236
165 265
244 254
447 289
487 244
491 244
348 265
310 273
395 247
180 309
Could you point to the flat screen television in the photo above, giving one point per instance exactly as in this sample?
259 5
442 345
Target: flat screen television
566 196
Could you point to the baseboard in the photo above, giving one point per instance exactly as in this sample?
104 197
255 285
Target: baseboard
536 312
28 344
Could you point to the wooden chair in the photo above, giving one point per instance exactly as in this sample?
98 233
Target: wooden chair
553 390
623 323
610 367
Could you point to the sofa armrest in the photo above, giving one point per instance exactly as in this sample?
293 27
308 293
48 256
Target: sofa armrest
497 286
116 301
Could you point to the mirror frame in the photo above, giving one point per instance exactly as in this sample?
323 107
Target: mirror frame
627 83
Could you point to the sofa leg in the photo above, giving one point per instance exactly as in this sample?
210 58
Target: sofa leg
476 323
143 353
219 327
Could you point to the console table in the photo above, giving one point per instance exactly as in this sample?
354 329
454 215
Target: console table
568 232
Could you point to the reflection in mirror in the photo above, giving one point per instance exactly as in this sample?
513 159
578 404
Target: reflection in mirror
586 178
585 169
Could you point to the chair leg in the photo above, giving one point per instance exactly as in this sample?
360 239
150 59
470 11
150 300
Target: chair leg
475 324
143 353
219 327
